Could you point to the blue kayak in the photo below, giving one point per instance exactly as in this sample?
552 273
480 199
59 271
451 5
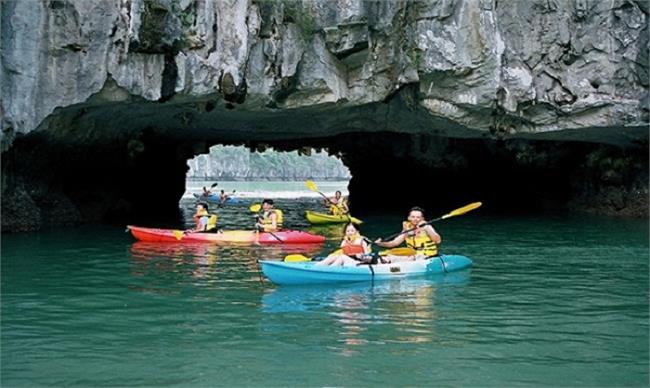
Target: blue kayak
310 273
213 198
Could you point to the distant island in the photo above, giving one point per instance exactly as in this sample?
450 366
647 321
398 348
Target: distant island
231 163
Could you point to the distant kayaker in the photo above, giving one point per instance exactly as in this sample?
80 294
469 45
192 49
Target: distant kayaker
337 204
271 219
206 192
205 222
423 240
354 249
223 197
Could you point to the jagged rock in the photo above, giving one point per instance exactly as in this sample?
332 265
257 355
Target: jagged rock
236 163
543 65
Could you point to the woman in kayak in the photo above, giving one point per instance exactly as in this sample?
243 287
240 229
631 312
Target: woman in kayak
205 222
424 240
354 247
338 204
206 192
271 220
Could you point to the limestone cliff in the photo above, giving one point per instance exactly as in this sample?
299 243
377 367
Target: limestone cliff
506 67
238 164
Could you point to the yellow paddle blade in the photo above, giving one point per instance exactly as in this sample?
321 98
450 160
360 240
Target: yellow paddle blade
255 207
311 185
296 258
178 234
402 251
462 210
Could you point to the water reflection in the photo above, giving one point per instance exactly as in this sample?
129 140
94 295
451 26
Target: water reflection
198 259
402 311
209 261
331 232
311 298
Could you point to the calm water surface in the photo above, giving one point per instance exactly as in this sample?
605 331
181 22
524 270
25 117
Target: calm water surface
553 300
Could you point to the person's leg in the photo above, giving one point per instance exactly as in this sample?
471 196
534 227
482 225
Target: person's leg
397 259
329 260
340 260
349 262
326 261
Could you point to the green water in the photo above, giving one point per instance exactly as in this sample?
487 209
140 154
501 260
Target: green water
550 301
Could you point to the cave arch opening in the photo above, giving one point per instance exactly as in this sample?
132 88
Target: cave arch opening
140 177
249 174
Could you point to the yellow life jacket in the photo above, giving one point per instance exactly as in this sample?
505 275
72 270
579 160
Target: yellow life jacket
421 241
212 223
339 208
212 220
266 220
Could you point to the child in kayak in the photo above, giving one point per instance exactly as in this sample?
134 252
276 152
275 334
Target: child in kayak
354 249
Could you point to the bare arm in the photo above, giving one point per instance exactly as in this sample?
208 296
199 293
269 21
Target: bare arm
433 235
366 246
273 217
392 243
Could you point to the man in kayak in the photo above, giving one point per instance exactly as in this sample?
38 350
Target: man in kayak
205 222
337 204
354 249
271 219
206 192
424 240
223 197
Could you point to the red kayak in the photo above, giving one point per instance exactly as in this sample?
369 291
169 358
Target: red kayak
225 237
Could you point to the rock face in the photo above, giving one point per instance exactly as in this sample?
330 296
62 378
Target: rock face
239 164
145 77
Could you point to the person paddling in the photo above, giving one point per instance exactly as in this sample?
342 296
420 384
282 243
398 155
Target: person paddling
271 220
204 221
337 204
223 197
354 249
423 240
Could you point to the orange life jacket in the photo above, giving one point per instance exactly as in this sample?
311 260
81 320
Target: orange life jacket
350 248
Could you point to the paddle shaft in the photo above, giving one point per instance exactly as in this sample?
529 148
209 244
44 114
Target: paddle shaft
392 236
453 213
272 234
276 237
326 198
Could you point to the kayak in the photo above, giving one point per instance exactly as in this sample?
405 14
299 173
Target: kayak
228 236
323 218
212 198
309 273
